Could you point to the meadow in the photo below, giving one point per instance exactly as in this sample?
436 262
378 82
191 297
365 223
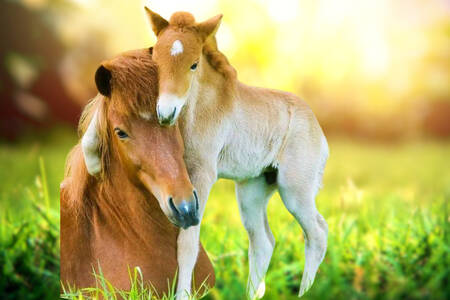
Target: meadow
387 207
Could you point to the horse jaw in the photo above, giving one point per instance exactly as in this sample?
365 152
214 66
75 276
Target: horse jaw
89 146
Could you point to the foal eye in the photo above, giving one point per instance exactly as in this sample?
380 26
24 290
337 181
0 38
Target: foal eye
120 133
194 66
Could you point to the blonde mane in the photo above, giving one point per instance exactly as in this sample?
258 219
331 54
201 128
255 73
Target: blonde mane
219 62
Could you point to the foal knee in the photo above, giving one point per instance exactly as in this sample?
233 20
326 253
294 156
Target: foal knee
322 223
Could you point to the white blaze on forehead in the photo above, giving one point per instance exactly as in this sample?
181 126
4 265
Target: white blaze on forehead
177 48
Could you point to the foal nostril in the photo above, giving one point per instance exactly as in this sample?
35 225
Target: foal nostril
163 118
172 115
196 199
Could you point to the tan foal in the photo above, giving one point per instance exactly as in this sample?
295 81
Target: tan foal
263 139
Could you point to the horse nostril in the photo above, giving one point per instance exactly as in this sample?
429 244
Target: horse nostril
173 207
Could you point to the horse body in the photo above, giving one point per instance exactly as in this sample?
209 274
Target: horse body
263 139
138 235
111 213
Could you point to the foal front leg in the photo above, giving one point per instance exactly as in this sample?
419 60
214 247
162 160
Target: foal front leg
187 252
189 239
253 196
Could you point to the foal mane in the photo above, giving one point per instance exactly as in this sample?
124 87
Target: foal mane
218 61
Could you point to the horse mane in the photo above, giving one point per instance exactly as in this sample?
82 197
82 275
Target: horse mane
77 180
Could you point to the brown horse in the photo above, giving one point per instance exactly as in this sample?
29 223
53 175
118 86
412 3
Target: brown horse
263 139
110 216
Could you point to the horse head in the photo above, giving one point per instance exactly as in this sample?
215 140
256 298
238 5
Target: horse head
123 127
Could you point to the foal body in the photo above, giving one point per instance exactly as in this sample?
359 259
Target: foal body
263 139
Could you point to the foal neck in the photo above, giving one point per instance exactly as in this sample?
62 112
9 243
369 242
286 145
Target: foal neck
211 91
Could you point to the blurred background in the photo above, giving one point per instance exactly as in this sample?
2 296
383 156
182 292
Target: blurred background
376 74
370 69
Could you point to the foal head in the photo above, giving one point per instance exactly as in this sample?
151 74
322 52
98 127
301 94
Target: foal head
123 130
177 53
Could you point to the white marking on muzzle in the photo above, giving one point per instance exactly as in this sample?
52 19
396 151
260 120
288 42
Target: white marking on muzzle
169 106
177 48
90 145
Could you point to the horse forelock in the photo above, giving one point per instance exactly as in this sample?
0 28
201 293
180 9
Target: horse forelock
134 84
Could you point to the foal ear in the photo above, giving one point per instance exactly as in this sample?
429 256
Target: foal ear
158 23
103 81
209 27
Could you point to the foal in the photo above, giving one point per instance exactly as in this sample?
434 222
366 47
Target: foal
263 139
110 217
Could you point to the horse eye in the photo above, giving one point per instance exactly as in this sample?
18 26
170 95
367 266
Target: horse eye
194 66
120 133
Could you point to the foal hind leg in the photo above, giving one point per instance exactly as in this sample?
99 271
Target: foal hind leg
253 196
298 185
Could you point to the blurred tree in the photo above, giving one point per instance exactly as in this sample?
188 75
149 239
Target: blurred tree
31 90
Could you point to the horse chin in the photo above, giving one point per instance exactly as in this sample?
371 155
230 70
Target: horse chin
179 225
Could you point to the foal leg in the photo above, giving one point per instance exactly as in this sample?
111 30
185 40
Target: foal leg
253 196
299 180
188 241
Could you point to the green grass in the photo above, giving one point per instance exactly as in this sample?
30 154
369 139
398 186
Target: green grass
387 207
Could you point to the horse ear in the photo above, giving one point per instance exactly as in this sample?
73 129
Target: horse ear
209 27
103 81
158 23
90 146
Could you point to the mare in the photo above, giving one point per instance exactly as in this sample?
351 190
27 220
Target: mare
117 180
263 139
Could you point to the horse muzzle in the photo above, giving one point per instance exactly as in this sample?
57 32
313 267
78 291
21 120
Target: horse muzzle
186 213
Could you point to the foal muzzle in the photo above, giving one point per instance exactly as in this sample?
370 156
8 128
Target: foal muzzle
168 108
186 213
